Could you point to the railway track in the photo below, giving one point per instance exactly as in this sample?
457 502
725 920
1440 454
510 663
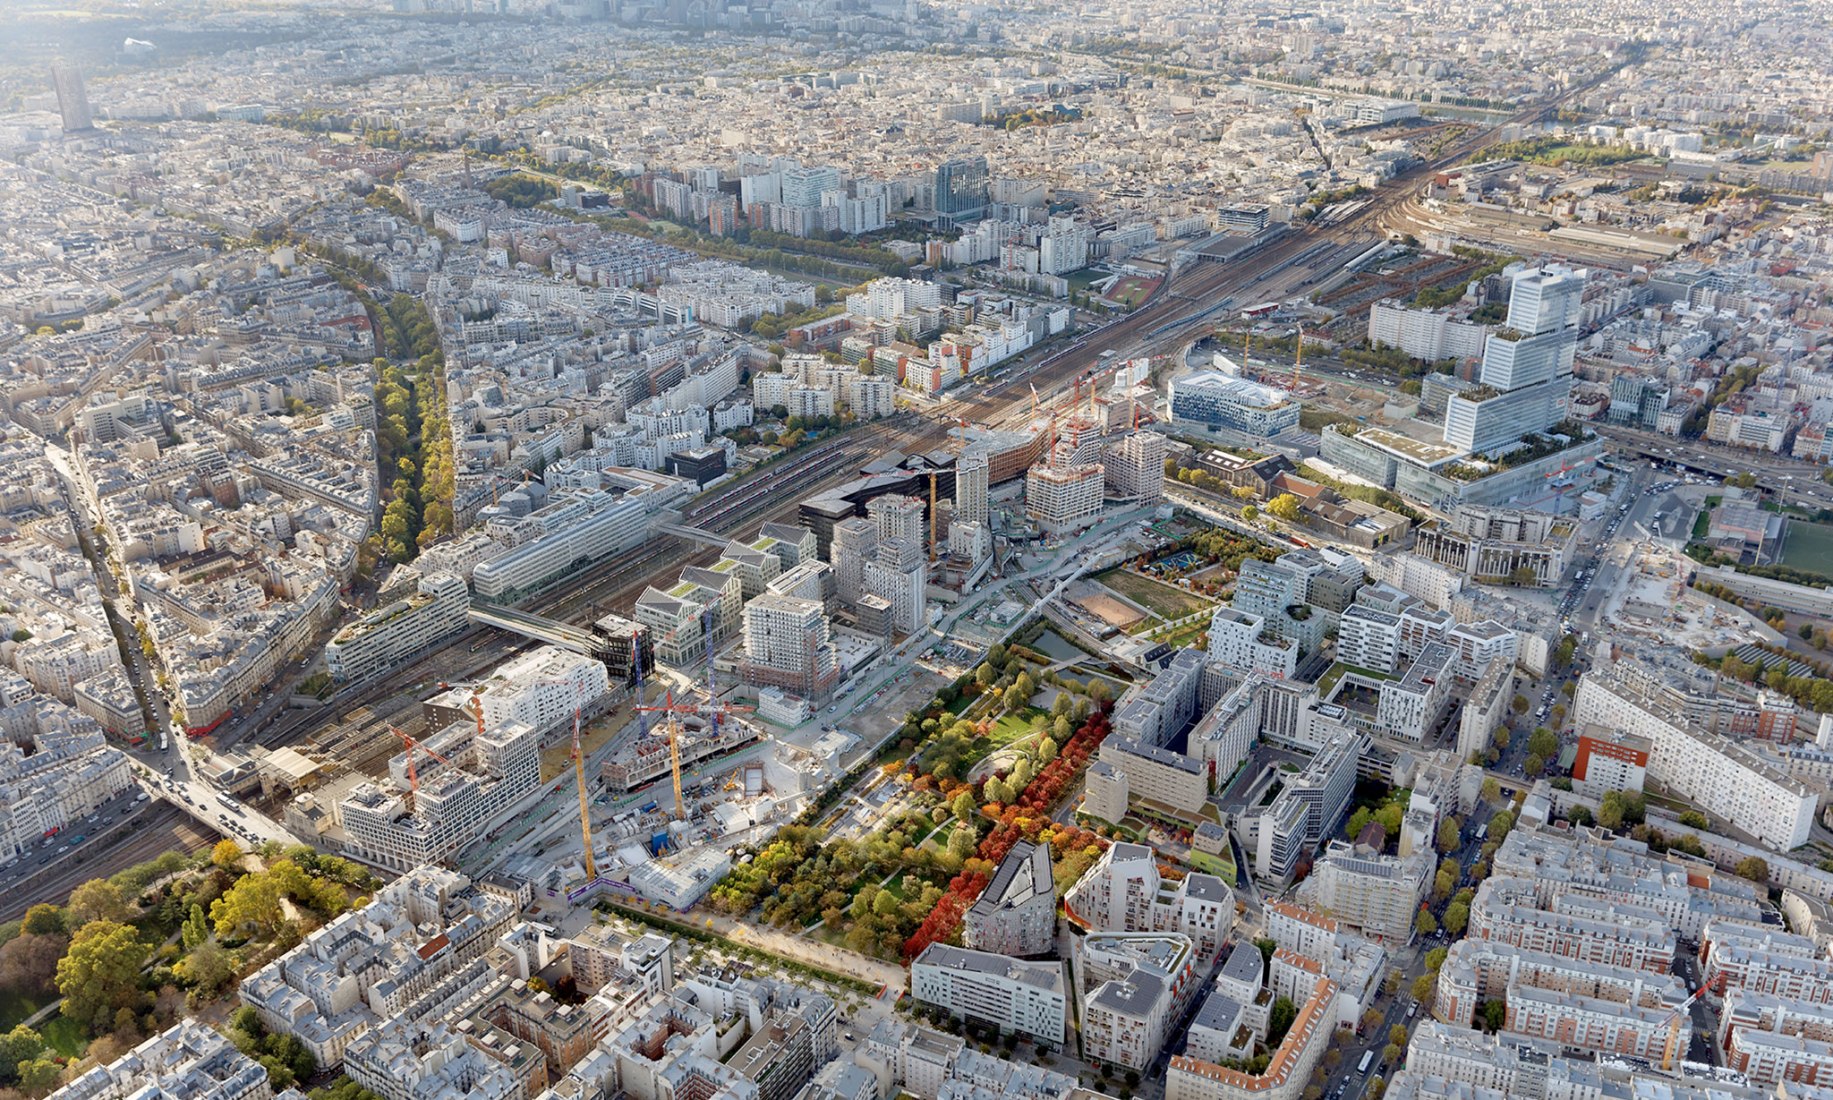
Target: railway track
158 827
1180 307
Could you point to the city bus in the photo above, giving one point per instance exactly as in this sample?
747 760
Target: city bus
1368 1058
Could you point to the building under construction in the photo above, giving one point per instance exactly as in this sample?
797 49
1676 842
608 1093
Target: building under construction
646 758
441 794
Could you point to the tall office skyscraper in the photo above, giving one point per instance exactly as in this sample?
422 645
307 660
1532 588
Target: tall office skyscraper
961 188
1525 384
72 101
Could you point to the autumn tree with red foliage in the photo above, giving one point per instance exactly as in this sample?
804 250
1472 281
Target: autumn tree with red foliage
1024 819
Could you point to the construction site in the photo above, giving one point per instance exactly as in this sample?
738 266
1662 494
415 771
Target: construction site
547 771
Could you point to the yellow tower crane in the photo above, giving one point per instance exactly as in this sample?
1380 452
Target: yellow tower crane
585 804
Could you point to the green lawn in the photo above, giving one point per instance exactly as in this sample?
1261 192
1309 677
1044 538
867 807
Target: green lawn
1336 671
1183 635
1013 727
65 1037
1166 601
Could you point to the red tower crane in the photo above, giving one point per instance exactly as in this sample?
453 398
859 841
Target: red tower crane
413 773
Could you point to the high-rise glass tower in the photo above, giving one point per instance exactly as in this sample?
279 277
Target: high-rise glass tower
72 101
1525 384
961 188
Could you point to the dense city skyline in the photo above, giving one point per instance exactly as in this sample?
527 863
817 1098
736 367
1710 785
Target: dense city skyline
853 549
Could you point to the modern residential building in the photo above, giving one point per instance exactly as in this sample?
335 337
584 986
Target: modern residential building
391 635
1376 893
1016 997
1124 892
1171 780
1132 987
542 689
1609 761
1306 809
1136 466
1166 705
413 821
1288 1071
1063 499
1017 913
971 486
1722 778
1242 643
787 646
1429 334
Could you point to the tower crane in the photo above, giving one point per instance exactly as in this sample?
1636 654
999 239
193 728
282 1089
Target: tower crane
585 805
1673 1025
674 711
413 774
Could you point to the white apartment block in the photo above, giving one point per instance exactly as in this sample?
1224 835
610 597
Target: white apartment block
1721 778
871 398
1105 792
1132 986
1063 498
1376 893
1017 997
541 690
1368 638
1241 642
1424 333
385 637
971 487
1409 708
1168 778
970 540
190 1059
491 773
1161 708
903 589
1135 466
899 517
1123 892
